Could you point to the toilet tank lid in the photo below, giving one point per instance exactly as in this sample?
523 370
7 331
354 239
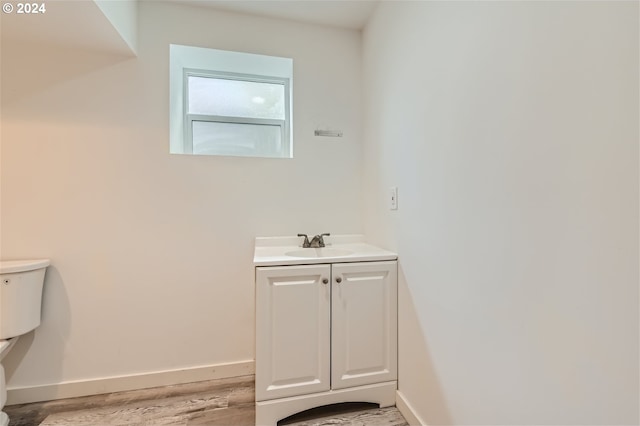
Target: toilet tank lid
13 266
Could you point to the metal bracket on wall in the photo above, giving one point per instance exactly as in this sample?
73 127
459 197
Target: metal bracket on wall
329 133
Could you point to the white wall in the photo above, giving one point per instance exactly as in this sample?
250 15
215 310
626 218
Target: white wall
511 130
151 252
122 14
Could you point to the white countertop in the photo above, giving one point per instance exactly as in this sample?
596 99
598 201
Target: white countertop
272 251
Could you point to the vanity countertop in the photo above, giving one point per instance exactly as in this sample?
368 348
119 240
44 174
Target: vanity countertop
275 251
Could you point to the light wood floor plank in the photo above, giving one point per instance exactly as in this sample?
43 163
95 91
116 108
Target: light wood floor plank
243 415
361 414
223 402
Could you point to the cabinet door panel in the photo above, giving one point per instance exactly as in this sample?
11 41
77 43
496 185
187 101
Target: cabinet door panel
292 331
364 323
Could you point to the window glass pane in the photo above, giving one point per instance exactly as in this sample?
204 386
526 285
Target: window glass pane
246 140
235 98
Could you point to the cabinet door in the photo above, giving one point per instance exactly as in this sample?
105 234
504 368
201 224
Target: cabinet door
292 330
364 333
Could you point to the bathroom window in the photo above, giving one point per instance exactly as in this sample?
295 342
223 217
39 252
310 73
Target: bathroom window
236 114
230 103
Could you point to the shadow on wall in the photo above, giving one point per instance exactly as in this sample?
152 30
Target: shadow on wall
52 335
23 65
417 378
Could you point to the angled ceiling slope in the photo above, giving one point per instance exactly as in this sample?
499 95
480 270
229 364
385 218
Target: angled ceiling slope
86 24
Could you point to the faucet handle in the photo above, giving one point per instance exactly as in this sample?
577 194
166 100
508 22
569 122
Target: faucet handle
305 243
320 238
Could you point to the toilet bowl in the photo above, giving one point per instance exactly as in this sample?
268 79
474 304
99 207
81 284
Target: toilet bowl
21 283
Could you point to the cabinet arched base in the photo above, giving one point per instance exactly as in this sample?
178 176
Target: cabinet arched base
269 412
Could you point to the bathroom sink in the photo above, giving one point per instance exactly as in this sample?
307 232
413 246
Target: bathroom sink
319 252
284 251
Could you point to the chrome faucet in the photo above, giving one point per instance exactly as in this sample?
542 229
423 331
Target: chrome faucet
316 242
305 244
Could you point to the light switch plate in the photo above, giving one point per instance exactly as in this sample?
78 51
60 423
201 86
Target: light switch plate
393 198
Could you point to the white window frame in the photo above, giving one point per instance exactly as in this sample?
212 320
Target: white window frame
183 57
189 119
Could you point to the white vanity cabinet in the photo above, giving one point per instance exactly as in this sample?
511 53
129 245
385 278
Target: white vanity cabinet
293 340
325 333
364 323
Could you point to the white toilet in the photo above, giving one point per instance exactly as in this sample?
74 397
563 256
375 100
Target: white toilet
21 284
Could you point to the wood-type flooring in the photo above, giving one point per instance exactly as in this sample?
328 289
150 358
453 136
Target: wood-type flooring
224 402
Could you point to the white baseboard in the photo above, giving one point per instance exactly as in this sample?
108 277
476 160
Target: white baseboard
124 383
407 411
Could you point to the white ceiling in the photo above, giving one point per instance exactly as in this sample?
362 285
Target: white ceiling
337 13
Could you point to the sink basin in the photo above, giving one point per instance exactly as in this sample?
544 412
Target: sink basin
319 252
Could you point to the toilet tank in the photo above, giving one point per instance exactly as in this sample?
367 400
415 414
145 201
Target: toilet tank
21 284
